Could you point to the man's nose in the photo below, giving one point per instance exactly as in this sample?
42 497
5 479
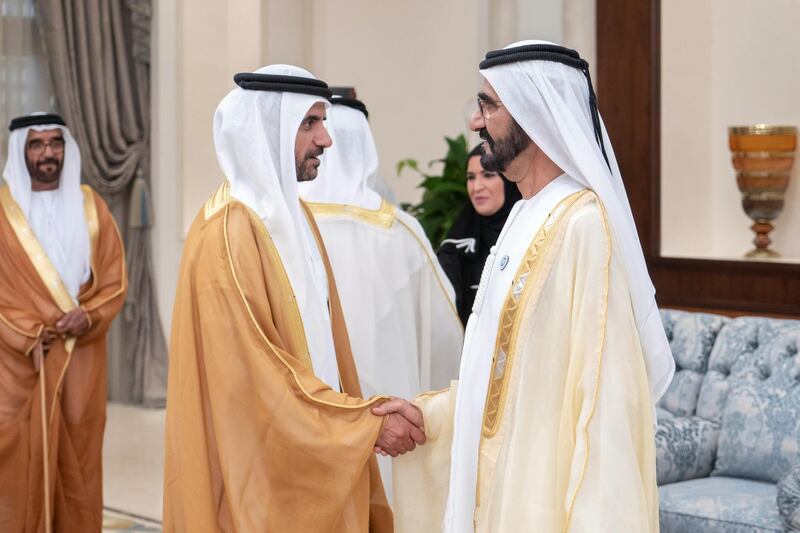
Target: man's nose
476 121
48 150
324 140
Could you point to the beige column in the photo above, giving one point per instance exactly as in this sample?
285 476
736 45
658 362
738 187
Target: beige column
580 30
198 46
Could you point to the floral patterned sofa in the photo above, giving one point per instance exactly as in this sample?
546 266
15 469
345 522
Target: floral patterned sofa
728 435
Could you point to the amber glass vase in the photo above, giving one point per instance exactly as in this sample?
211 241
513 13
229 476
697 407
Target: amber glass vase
763 156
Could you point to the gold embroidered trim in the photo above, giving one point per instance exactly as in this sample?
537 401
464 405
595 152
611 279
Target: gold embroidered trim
29 350
44 267
600 347
515 300
69 346
382 217
273 251
92 223
266 340
218 200
93 220
430 394
326 260
308 214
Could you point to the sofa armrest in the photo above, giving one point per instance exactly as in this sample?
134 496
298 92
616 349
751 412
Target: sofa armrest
686 447
789 499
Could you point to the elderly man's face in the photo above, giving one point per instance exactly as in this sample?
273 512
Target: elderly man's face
44 155
312 139
504 139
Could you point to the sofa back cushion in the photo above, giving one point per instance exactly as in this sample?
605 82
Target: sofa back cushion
691 337
760 434
744 352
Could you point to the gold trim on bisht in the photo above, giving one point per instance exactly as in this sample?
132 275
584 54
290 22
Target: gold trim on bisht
382 217
33 248
92 224
762 129
218 200
92 221
515 301
254 322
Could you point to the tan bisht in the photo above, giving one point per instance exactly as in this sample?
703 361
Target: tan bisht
64 420
254 440
566 439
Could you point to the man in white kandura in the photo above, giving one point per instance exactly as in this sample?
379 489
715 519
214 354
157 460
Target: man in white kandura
398 304
550 427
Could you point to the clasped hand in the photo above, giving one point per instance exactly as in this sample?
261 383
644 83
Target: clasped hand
74 323
403 430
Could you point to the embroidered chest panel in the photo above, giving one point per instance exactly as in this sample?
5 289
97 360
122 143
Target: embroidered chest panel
514 304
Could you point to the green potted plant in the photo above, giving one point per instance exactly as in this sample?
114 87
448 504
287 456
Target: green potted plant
444 193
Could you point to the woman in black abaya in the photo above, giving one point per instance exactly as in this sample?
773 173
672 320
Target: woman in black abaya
476 230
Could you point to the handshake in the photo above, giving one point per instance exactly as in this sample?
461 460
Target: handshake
403 430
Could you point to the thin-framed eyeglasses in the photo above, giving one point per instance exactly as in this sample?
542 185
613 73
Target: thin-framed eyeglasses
38 146
488 107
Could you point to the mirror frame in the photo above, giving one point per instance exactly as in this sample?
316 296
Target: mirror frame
629 93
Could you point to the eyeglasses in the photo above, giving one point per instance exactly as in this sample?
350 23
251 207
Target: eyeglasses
488 107
38 146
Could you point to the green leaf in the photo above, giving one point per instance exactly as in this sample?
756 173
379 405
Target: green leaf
456 147
410 163
444 193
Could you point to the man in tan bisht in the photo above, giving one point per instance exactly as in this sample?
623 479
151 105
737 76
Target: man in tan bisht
266 429
550 427
62 282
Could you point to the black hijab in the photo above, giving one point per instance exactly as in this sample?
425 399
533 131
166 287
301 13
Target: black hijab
468 242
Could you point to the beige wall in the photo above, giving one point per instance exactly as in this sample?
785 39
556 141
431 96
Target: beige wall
167 177
414 63
216 40
725 62
580 31
197 47
686 133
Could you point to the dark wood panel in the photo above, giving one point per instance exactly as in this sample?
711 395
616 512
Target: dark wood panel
628 86
626 51
727 312
729 285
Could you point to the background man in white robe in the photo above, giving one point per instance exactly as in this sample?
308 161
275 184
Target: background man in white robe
550 427
398 304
